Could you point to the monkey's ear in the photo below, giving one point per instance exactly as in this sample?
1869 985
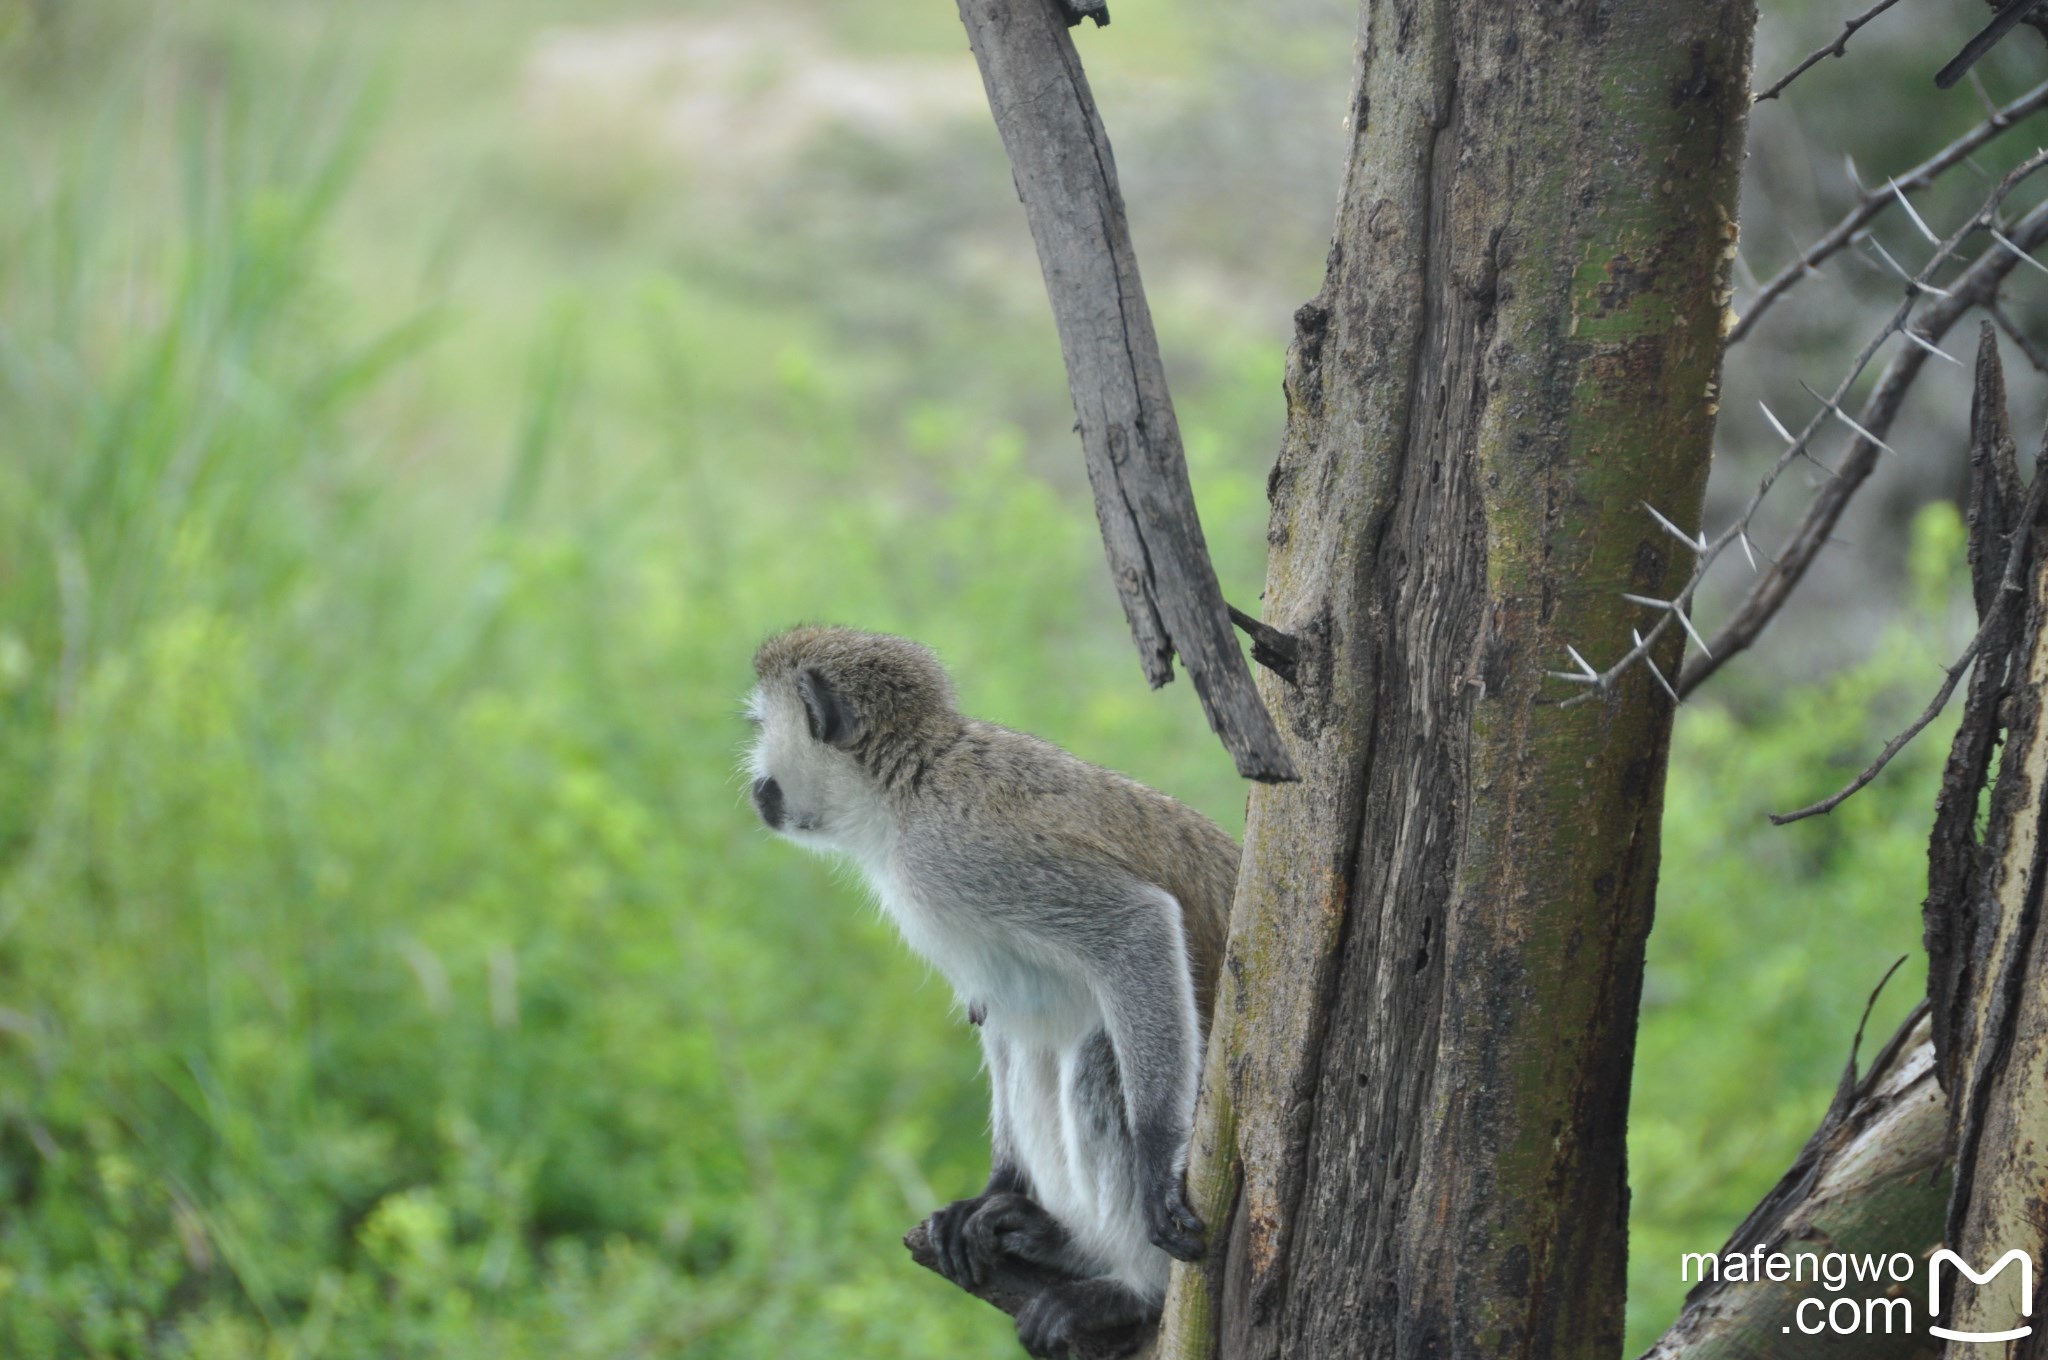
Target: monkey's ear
831 719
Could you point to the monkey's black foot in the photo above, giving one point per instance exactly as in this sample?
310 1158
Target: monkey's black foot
972 1236
1103 1310
1077 10
1173 1224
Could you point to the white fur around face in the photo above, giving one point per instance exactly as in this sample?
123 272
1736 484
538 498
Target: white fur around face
828 804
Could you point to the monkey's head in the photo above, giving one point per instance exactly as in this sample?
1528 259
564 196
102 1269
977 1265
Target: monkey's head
842 718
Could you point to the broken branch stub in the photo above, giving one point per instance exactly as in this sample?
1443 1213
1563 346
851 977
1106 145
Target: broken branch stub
1060 158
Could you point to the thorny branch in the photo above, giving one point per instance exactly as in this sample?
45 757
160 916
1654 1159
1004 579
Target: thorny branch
1822 53
1994 478
1994 618
1976 285
1876 201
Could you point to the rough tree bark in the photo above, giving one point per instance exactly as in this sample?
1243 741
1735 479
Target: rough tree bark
1411 1141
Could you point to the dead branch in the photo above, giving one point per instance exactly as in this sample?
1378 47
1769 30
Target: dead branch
1060 157
1948 915
1871 1178
2027 347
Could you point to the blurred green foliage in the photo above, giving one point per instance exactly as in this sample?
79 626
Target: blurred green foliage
389 964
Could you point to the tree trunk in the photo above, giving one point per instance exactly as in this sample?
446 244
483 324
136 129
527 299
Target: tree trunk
1411 1138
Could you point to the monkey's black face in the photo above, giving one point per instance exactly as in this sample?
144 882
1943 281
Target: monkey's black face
768 802
803 788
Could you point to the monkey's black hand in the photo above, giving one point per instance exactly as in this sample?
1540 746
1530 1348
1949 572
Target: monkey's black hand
1077 10
949 1241
1172 1223
971 1236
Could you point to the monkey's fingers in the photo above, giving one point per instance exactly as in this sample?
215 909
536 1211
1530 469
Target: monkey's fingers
949 1243
982 1239
1012 1225
1184 1239
1176 1229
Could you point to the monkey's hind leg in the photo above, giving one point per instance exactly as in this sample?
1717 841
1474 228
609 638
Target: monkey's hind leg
1105 1310
1077 10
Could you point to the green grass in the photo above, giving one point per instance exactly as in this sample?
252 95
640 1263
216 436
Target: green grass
390 501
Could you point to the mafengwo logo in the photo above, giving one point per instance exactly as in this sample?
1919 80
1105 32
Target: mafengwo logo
1872 1294
2015 1257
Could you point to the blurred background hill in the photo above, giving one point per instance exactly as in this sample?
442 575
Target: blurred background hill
411 416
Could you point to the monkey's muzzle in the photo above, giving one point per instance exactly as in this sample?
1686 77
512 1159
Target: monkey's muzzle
768 802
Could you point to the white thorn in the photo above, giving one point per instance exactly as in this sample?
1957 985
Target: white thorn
1928 345
1743 534
1906 203
1574 677
1591 674
1916 284
1673 607
1849 164
1777 424
1873 243
1646 600
1681 535
1844 417
1799 254
1746 273
2000 237
1653 666
1839 414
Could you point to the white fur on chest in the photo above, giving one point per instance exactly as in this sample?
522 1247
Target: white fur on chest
1012 984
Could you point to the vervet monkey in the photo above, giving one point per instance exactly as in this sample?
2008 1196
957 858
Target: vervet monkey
1079 917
